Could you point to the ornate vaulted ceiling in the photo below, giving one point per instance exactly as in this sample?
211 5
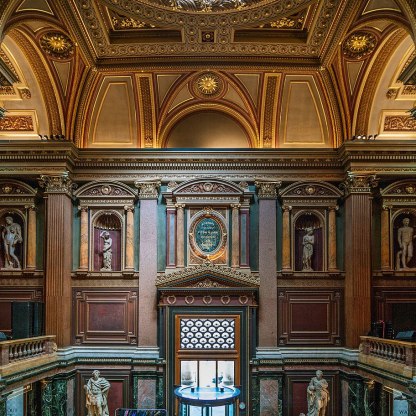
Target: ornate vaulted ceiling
207 73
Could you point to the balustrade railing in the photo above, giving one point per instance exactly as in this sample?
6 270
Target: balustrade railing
21 349
398 353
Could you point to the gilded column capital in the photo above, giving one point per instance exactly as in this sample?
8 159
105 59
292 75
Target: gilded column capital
333 208
235 207
83 208
31 207
358 184
180 206
268 190
57 184
387 207
148 189
129 208
286 208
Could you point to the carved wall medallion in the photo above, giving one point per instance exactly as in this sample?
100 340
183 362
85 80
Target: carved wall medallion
57 45
392 93
359 45
208 85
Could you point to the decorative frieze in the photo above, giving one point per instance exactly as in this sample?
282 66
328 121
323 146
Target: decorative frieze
399 123
17 123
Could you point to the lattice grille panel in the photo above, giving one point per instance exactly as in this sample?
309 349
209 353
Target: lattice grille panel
208 333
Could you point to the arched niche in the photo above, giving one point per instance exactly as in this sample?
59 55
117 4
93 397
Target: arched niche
107 233
207 129
13 237
309 244
403 224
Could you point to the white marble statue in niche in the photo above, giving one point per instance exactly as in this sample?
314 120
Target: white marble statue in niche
107 251
405 236
317 395
11 235
96 391
308 242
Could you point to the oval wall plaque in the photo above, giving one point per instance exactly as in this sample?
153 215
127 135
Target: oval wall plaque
207 235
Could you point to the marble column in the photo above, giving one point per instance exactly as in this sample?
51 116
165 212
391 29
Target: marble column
235 229
58 262
369 398
267 192
31 238
286 258
83 247
180 233
357 256
332 239
129 264
148 195
385 238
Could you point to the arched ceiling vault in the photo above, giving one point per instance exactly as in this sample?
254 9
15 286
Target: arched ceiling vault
292 73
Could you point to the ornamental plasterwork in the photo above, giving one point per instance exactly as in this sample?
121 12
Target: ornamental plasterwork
409 90
207 283
57 45
207 268
206 187
268 190
312 190
17 123
148 190
160 15
399 123
8 63
207 85
16 193
359 44
403 191
357 183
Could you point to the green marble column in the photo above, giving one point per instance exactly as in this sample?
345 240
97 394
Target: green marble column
3 401
54 397
356 398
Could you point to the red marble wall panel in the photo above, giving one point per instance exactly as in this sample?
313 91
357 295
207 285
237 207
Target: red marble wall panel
310 316
105 317
6 317
299 400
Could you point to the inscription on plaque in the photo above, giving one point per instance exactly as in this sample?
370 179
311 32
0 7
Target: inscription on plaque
208 235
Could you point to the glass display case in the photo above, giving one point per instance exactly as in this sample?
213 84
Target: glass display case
207 401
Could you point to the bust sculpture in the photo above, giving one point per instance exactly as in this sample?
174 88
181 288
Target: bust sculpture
317 395
107 251
96 391
405 239
307 243
11 235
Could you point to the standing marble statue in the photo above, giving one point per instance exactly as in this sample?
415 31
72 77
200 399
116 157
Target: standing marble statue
11 235
307 243
317 395
405 239
107 251
96 391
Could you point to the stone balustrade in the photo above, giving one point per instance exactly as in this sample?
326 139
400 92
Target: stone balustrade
21 349
398 357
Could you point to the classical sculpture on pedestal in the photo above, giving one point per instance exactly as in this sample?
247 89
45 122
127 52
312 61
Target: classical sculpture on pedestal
317 395
307 243
405 239
107 251
96 391
11 235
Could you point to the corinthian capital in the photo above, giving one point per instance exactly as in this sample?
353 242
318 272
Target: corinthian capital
268 190
57 184
356 183
148 189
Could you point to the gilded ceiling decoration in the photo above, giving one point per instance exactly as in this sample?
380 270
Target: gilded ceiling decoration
120 22
57 45
207 85
206 5
359 45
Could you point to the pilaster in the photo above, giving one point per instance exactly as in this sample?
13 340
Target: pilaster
385 238
31 238
235 221
58 264
286 260
332 237
267 192
129 265
180 232
358 256
83 247
148 194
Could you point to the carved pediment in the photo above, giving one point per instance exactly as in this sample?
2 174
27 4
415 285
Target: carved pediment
99 191
16 193
403 189
211 186
207 275
311 190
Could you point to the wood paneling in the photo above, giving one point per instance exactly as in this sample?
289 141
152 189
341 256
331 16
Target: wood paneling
296 397
105 317
310 317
